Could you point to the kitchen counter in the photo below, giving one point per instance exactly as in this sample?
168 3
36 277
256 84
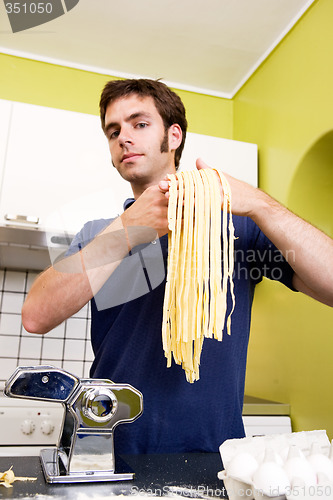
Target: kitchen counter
191 475
258 406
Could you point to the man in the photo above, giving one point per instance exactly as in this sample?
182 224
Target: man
145 125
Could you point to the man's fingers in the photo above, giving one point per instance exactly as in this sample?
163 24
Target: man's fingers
201 164
164 186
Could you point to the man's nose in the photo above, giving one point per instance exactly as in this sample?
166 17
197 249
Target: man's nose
125 137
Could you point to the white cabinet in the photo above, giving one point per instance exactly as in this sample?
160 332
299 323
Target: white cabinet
239 159
5 115
58 167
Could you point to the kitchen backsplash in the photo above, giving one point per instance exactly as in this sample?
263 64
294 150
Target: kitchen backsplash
67 346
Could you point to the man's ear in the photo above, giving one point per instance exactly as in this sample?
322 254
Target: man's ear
175 136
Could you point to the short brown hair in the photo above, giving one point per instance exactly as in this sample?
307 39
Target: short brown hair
168 103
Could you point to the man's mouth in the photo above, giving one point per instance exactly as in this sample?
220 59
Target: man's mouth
130 157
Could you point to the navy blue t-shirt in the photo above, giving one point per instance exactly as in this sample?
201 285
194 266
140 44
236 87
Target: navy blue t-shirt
127 344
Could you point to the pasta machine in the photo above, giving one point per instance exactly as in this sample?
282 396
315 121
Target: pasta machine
93 408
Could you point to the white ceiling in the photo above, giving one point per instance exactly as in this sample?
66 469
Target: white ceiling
208 46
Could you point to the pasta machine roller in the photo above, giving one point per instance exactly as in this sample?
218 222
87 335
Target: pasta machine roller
93 408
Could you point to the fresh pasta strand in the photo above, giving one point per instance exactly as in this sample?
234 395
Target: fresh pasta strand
227 202
195 302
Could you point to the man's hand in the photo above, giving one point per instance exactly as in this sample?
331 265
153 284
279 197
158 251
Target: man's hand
149 212
244 197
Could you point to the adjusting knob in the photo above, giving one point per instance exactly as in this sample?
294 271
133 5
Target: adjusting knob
47 427
28 427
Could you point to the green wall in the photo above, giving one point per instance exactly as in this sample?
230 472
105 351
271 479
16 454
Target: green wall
287 109
45 84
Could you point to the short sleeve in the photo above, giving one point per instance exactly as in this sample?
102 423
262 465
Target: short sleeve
257 257
271 262
89 231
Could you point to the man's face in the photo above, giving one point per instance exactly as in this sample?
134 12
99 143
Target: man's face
138 141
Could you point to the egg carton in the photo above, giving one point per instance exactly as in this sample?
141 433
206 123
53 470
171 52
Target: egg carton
293 466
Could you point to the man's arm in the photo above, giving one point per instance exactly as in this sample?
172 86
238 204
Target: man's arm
63 289
308 250
54 297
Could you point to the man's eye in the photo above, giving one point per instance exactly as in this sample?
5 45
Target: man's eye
114 134
141 125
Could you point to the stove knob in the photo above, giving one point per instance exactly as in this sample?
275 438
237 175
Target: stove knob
47 427
27 426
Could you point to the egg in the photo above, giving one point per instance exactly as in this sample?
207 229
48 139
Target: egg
300 468
242 466
297 466
298 490
271 479
297 482
323 480
321 463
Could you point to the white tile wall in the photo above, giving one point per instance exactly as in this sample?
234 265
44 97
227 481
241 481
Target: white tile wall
67 346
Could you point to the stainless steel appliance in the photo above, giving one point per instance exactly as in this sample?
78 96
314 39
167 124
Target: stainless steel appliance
93 408
26 247
27 426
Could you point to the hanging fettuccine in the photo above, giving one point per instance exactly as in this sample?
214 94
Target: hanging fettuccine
195 300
